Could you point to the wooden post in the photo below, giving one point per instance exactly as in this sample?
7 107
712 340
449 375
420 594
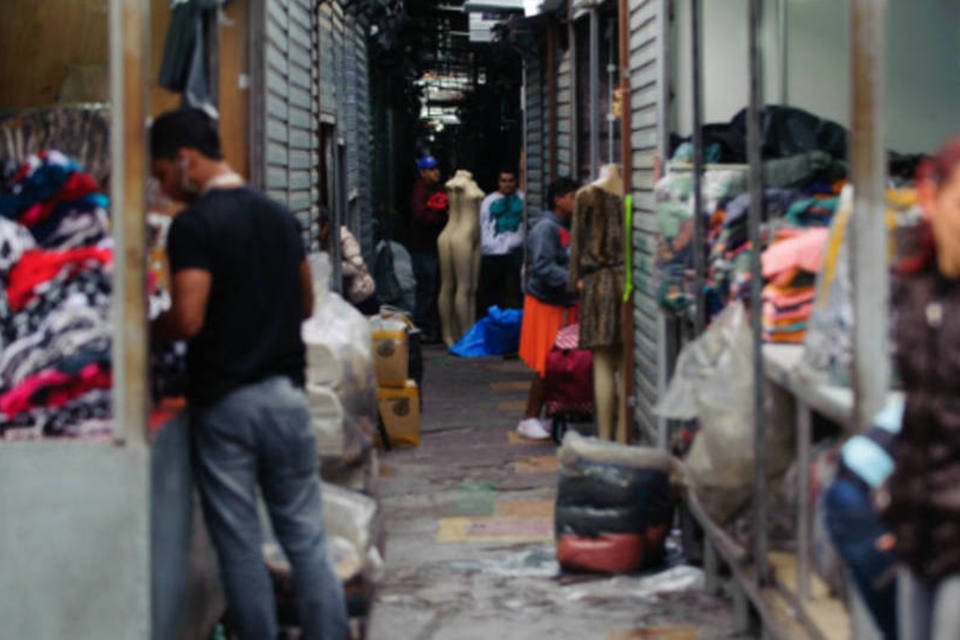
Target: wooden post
129 86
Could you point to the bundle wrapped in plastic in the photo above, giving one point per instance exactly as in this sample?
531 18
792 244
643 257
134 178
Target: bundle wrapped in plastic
352 523
614 505
714 384
341 386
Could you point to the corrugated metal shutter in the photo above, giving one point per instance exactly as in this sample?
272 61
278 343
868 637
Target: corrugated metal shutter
363 142
290 124
328 76
646 92
533 91
564 113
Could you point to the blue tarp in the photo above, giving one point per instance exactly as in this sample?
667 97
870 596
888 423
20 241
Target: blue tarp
495 335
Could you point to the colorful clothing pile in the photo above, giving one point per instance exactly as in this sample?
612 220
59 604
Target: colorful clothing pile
790 266
55 290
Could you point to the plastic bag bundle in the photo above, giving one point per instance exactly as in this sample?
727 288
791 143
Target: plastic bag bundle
614 505
713 383
340 374
352 524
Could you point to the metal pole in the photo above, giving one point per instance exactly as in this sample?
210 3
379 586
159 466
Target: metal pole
628 403
784 39
611 75
575 169
552 99
804 534
871 367
525 136
129 53
756 286
594 92
699 235
664 127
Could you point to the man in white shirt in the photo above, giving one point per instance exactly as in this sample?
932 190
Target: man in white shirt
502 237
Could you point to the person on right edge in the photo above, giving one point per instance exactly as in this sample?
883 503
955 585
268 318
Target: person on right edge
428 205
547 306
923 499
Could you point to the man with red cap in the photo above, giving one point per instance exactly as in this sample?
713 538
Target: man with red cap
428 205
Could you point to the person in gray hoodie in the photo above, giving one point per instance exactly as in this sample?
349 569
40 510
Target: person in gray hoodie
548 301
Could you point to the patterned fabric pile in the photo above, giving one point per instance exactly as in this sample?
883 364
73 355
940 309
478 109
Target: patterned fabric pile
55 285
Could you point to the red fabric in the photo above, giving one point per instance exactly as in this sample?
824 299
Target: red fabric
564 238
38 266
53 389
438 202
78 185
608 553
568 380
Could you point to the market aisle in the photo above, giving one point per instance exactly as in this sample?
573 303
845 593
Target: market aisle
469 520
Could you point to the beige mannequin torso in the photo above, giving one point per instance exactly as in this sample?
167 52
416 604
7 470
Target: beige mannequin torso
459 247
610 180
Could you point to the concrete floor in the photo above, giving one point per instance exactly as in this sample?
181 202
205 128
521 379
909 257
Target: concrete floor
469 523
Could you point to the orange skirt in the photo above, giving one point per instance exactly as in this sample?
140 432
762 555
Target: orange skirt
541 323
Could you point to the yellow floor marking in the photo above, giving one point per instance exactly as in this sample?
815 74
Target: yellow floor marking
513 406
511 385
503 530
536 464
525 508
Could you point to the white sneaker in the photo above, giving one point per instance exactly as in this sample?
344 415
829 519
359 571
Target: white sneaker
533 428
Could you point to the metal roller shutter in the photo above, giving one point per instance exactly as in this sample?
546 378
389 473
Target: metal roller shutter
646 95
564 113
534 114
289 124
363 142
328 76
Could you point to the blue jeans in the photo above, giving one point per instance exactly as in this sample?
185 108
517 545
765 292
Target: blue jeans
261 434
929 610
855 528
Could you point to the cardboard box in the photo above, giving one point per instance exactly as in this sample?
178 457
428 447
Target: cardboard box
391 356
400 411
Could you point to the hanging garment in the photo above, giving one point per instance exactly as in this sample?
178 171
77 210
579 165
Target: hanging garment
501 220
597 258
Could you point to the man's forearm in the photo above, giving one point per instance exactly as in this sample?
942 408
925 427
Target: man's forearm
166 328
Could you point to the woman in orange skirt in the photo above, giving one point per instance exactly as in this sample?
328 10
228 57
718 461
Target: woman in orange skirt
548 304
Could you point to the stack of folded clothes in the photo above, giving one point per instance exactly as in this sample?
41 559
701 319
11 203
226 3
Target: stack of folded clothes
790 267
55 286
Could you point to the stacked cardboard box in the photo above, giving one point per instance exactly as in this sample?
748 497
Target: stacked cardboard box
398 396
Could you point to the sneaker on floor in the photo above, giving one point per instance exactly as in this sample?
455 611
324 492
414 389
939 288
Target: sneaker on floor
533 428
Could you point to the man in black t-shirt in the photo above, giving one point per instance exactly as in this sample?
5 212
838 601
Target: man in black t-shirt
240 289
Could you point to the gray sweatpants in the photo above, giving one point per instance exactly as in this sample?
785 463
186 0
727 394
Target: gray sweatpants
928 611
